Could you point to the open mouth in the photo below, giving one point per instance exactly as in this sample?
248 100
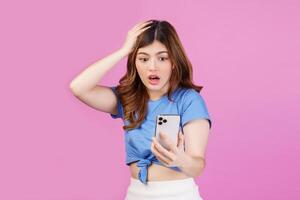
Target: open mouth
153 79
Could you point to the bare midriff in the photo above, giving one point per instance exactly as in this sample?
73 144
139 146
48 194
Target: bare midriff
157 173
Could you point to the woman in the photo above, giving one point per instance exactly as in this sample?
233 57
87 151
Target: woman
158 81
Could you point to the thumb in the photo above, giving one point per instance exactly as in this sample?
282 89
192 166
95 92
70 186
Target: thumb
180 140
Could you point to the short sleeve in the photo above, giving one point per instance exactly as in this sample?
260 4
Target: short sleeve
120 107
194 107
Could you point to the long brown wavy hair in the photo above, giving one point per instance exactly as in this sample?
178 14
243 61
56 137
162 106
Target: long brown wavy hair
131 90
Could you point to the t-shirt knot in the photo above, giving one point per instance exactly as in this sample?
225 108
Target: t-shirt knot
143 164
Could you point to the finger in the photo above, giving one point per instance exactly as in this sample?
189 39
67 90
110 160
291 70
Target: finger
142 24
139 23
159 156
136 27
142 30
168 141
165 137
138 32
145 22
179 140
181 143
163 151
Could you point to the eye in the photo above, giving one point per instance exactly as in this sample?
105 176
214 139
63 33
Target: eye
143 59
163 58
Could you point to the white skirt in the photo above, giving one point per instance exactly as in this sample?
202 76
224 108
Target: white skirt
182 189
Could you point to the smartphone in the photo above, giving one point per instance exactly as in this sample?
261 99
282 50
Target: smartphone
168 124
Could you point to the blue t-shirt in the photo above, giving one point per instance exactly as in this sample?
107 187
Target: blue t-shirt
188 103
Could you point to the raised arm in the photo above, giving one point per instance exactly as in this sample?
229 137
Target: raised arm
84 86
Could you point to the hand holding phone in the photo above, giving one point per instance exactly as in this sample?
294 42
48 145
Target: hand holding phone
169 125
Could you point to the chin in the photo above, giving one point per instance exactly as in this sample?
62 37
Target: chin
158 87
154 87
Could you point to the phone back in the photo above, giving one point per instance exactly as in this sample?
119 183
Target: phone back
168 124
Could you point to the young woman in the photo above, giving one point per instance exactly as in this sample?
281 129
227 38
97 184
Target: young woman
158 81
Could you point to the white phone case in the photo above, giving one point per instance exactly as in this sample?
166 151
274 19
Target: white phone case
168 124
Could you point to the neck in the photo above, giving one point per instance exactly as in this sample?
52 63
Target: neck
156 94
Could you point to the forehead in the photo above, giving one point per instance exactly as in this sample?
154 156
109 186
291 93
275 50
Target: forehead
152 49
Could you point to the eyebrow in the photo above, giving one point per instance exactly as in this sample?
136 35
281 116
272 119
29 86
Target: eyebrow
156 53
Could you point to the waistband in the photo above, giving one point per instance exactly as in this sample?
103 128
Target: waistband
180 184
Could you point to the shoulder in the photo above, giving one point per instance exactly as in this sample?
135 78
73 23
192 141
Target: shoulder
190 98
187 94
193 106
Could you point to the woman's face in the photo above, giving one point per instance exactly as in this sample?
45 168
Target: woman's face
154 60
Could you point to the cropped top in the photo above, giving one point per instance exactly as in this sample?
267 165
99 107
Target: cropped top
188 103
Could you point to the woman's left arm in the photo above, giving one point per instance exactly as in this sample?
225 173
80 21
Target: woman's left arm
196 134
189 153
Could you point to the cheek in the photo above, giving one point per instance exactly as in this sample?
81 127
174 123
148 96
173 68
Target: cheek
140 71
138 67
167 73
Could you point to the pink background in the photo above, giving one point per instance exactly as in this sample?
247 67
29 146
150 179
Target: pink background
244 53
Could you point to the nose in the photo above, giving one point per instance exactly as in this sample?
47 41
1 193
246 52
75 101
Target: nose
152 65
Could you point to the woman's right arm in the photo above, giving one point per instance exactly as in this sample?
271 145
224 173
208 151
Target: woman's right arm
84 86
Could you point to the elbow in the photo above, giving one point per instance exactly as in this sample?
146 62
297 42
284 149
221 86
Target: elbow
73 89
200 166
198 172
71 85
